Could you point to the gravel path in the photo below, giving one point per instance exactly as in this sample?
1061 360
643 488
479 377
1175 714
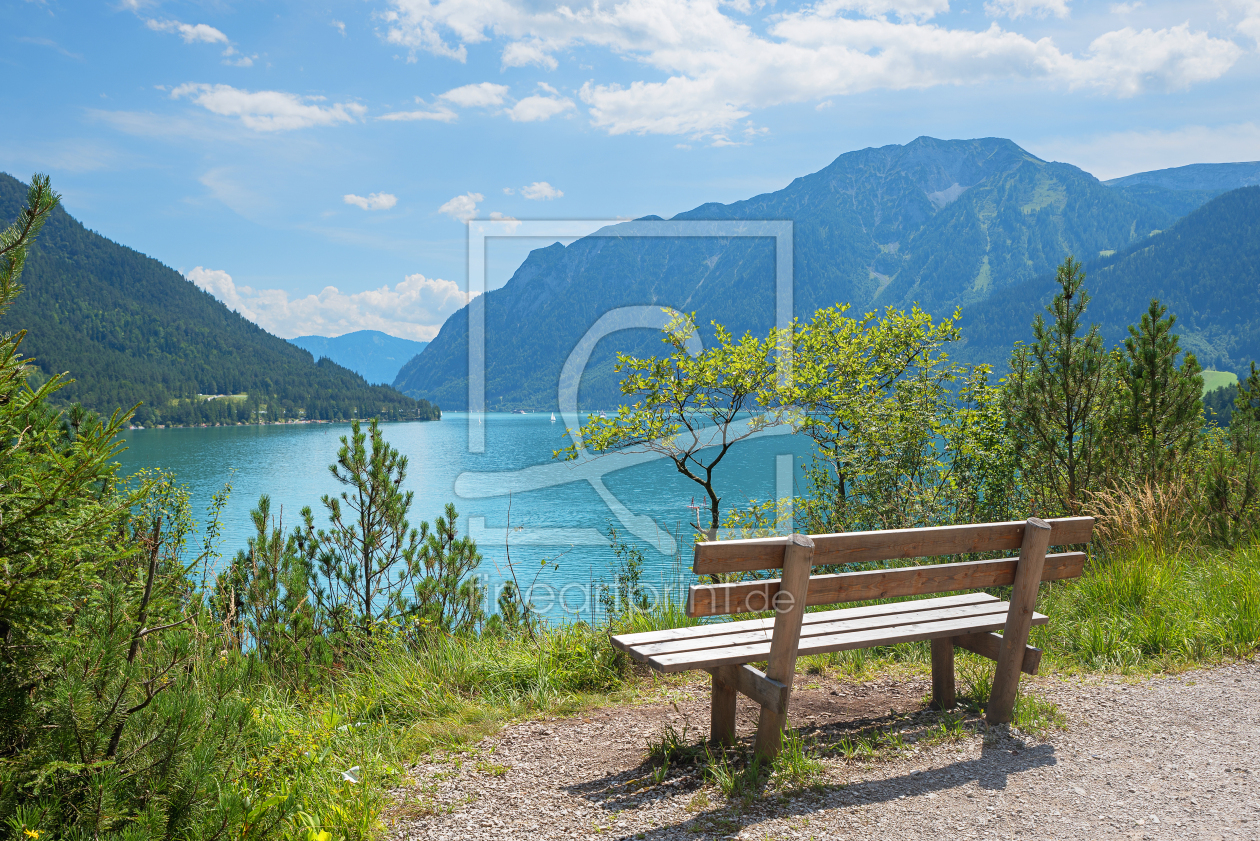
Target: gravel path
1174 757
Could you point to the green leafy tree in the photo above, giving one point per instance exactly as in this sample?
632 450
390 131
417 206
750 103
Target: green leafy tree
1160 404
984 479
1058 394
687 407
874 395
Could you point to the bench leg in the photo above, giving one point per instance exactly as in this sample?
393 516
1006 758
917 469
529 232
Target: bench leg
1032 558
789 609
943 674
770 733
722 714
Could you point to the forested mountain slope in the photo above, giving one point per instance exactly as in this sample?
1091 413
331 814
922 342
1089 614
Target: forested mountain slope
131 330
941 223
1205 268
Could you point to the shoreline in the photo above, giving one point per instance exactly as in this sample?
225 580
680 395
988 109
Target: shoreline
139 428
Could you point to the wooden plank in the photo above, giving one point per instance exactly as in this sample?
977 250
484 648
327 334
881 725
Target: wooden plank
754 684
943 673
722 710
866 546
834 642
754 596
789 608
625 642
1032 557
863 623
988 645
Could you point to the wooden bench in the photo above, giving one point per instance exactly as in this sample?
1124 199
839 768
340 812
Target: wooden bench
725 649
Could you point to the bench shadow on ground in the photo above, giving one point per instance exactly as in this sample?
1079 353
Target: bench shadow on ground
629 789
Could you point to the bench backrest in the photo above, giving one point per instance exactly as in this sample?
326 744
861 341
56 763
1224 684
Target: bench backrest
864 547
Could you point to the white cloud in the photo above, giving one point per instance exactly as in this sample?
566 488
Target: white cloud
920 10
439 114
243 61
1128 62
712 68
1126 8
191 33
1250 23
541 190
1124 153
462 208
508 191
537 108
374 201
522 53
481 95
413 309
506 224
1032 8
204 34
269 110
339 26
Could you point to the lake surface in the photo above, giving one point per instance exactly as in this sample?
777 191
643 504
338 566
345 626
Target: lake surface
558 511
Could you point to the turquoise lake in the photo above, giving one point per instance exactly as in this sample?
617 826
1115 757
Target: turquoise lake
558 511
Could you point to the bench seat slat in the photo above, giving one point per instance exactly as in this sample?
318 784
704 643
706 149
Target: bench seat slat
861 547
835 642
865 623
755 596
625 642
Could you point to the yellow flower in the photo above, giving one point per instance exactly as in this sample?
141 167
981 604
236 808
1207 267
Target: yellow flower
31 833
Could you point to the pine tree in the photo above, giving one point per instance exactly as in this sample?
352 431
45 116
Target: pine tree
1056 395
1162 406
1231 479
369 556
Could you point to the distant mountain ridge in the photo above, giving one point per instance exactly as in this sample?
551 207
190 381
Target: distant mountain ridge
1182 189
371 354
1205 269
130 330
1222 177
941 223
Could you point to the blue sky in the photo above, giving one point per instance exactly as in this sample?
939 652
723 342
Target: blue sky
312 164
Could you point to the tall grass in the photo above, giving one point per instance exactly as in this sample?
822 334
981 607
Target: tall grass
1142 608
